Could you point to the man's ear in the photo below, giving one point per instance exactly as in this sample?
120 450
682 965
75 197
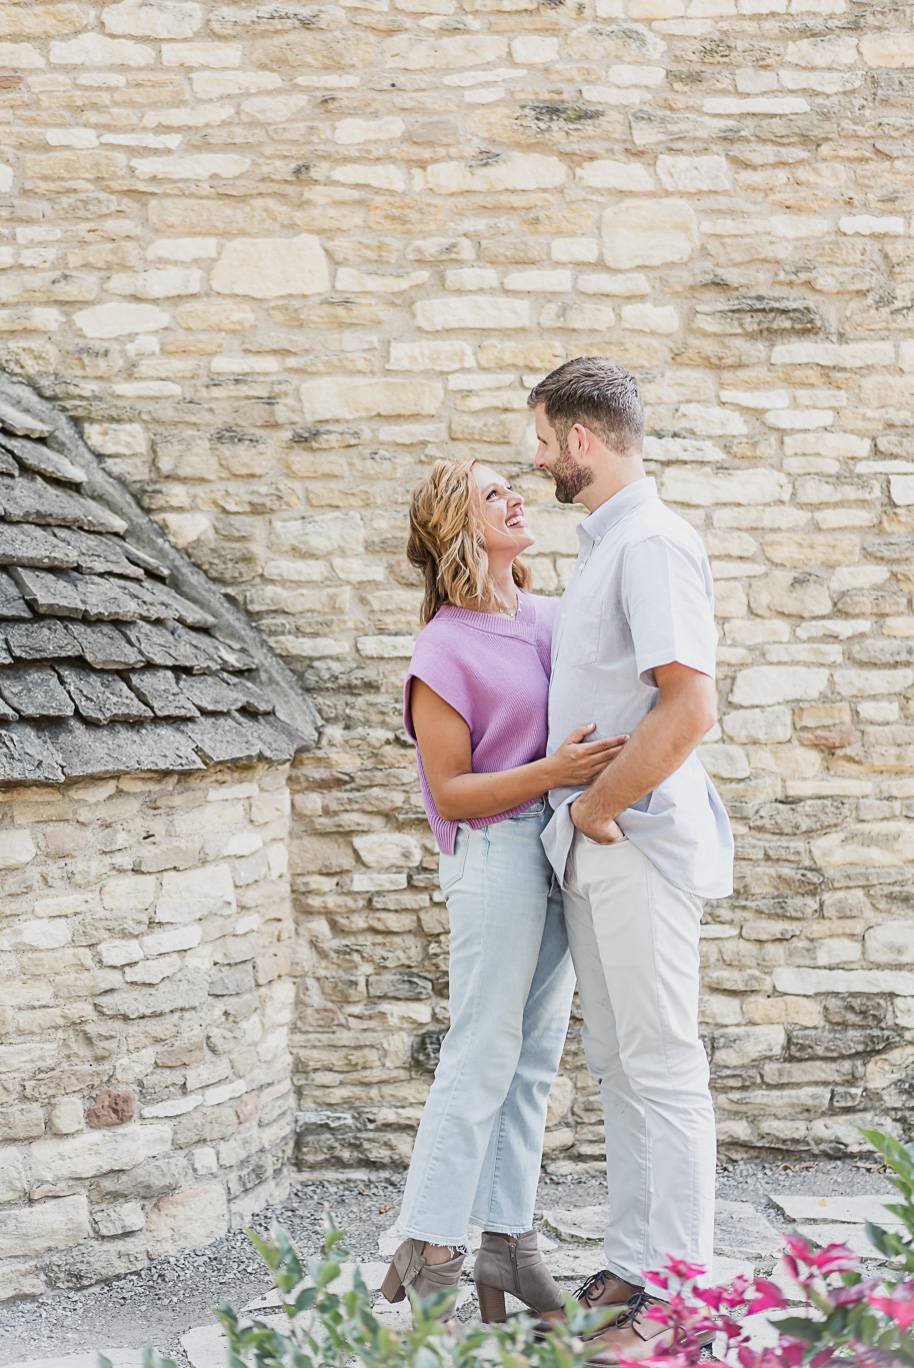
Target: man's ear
578 440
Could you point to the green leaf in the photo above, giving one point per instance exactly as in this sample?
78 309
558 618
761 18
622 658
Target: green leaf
799 1328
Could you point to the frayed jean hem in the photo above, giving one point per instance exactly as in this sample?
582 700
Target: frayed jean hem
458 1246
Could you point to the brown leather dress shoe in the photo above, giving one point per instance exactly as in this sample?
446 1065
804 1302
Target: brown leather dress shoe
633 1337
604 1289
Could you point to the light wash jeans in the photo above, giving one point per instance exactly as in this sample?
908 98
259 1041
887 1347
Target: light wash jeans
480 1143
634 939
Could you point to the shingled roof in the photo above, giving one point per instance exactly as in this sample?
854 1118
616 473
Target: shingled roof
116 653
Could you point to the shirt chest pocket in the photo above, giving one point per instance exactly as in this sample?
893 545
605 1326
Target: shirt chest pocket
580 643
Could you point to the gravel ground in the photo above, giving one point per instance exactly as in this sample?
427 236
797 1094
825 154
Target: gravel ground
173 1295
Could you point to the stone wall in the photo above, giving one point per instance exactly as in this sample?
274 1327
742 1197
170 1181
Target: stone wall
145 938
275 256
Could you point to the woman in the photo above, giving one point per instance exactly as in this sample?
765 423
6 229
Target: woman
475 704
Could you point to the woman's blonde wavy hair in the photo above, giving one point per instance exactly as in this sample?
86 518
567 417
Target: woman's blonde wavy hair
447 542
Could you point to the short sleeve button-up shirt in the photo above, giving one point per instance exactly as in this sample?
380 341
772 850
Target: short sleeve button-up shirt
641 596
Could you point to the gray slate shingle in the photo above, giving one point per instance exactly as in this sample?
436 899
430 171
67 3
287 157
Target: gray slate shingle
104 667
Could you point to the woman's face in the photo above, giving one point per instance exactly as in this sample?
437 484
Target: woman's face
504 527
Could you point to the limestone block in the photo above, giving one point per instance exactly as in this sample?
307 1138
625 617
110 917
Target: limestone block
630 42
539 281
743 1044
578 317
207 54
165 942
351 280
689 175
614 175
650 318
421 356
132 893
380 850
619 284
13 1182
188 895
901 489
121 1219
867 683
152 18
21 57
766 684
872 225
91 1263
765 726
798 593
799 419
887 49
43 1225
723 761
161 282
811 982
16 849
42 21
116 439
269 109
471 312
702 489
344 398
37 934
386 647
95 49
350 131
666 449
267 268
837 355
507 171
20 1280
891 943
648 232
193 168
95 1152
410 52
119 320
66 1116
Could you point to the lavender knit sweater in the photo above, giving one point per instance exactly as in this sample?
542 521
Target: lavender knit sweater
494 671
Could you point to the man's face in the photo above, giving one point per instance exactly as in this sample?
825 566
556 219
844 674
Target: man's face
571 476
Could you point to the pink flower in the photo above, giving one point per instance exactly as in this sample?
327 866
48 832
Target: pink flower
683 1270
768 1296
835 1258
899 1309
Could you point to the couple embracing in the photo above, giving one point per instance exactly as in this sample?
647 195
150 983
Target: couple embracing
578 833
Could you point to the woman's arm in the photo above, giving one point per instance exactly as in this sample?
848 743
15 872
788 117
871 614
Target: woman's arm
444 743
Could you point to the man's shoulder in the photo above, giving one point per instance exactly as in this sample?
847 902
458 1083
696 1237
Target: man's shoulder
656 521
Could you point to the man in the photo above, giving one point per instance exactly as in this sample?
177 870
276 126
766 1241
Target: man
634 651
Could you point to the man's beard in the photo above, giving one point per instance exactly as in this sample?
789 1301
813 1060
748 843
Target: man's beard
570 477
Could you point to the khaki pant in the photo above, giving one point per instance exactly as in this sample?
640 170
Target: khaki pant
634 942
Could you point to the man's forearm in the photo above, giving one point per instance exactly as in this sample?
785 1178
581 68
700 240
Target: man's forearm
657 747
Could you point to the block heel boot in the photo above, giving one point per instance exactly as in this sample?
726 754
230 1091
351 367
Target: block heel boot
508 1264
410 1271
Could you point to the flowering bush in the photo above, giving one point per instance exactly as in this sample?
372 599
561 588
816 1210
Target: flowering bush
845 1317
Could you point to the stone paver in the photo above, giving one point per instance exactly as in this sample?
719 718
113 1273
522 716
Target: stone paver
851 1210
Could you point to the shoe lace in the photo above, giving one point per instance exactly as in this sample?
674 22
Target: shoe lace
637 1303
592 1287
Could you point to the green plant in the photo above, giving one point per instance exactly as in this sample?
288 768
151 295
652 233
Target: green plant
847 1318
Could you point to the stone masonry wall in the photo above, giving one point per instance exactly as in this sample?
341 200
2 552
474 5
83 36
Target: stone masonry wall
275 256
145 939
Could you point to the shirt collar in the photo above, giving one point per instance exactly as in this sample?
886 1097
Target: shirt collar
596 525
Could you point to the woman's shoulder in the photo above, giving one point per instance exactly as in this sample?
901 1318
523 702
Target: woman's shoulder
546 608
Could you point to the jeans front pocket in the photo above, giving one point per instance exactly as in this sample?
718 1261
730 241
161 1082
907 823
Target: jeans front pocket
451 867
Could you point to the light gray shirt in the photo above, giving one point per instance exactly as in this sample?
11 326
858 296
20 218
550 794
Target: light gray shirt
641 596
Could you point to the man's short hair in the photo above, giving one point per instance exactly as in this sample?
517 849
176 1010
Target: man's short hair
598 394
